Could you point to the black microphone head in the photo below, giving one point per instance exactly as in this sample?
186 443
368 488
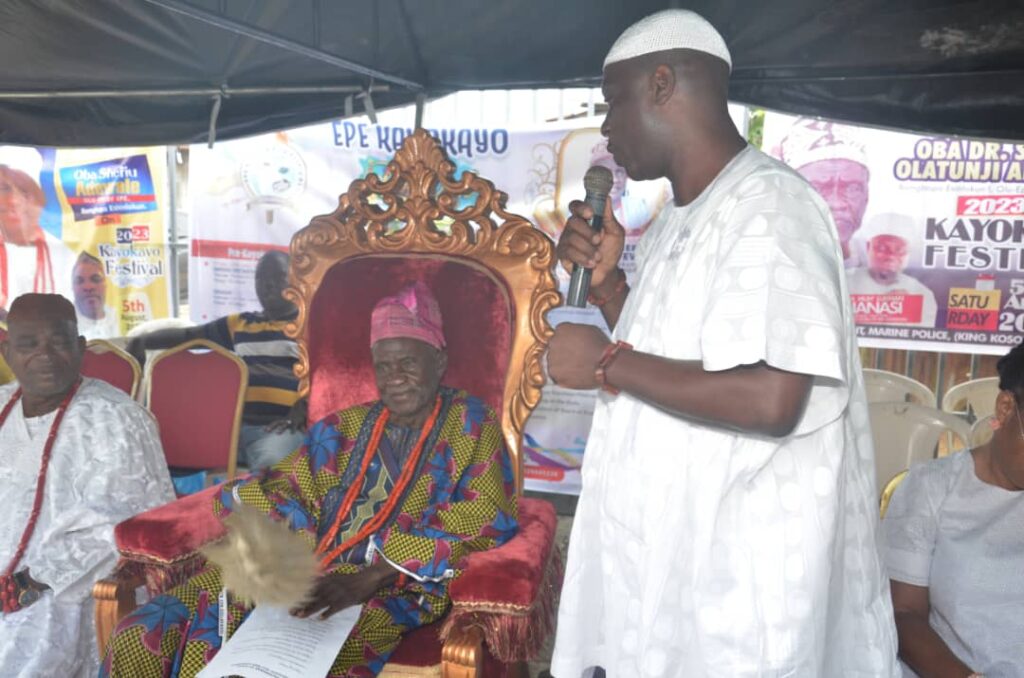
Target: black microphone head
598 181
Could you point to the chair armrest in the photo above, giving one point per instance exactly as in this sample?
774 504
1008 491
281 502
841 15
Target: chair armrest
511 592
170 533
114 597
463 655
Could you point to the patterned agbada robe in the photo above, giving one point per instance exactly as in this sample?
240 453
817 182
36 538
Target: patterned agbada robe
462 500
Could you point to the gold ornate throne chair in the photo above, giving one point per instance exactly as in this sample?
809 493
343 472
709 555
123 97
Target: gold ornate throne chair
490 271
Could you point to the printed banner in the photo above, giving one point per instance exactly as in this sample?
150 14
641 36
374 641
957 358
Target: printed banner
251 195
88 224
932 230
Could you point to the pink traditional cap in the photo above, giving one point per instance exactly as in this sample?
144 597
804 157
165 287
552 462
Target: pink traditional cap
413 313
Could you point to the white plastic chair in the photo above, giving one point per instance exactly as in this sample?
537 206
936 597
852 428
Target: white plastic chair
981 431
883 386
976 397
906 434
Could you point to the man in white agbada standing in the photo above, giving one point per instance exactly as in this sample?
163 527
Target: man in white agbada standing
89 457
727 522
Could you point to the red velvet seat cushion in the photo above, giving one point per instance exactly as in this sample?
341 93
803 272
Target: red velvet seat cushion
512 574
475 310
170 532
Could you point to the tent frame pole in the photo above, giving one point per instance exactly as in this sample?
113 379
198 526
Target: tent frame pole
188 92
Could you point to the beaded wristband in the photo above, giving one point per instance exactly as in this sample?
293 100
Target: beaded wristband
595 300
605 362
15 593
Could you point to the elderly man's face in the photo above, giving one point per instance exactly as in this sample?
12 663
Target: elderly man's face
45 354
887 255
19 214
408 373
90 287
844 186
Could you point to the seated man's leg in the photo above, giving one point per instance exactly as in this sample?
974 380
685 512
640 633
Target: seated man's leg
148 642
384 620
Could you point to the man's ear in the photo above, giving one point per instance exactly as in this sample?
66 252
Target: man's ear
1006 405
442 362
663 84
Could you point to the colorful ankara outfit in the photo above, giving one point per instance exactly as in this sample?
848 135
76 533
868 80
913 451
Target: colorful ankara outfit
106 465
460 497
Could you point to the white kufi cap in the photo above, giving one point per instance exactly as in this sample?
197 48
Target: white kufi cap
669 29
24 158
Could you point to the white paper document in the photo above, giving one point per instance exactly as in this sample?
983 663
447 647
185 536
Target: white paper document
271 643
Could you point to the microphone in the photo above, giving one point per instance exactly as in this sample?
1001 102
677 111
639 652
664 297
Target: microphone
597 182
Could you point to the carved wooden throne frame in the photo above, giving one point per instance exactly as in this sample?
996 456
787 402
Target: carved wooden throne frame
416 210
413 209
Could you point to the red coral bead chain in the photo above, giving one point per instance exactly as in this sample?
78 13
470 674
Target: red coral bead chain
8 587
397 491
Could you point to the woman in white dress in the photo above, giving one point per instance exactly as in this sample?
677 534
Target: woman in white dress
955 551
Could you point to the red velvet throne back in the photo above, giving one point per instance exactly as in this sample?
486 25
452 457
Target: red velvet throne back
475 309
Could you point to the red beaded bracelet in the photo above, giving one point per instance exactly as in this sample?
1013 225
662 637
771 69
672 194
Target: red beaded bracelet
402 580
609 355
595 300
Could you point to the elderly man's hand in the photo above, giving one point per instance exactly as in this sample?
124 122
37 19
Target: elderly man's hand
573 354
335 591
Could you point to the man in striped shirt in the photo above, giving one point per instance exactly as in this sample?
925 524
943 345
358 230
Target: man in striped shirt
274 418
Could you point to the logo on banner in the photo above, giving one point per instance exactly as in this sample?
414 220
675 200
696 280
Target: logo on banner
116 186
880 309
973 309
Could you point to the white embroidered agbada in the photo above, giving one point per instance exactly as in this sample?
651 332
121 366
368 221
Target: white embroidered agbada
107 465
702 553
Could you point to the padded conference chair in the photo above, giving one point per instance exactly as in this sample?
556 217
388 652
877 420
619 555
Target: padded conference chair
884 386
490 271
906 434
196 391
104 360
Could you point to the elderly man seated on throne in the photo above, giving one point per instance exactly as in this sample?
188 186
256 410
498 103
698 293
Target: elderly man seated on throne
391 494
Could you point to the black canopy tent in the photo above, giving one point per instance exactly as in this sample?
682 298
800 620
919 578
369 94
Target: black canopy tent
111 72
